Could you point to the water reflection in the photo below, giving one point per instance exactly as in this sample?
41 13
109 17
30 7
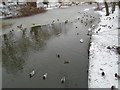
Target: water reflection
15 51
24 50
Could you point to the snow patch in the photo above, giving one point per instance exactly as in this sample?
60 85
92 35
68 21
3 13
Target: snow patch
101 58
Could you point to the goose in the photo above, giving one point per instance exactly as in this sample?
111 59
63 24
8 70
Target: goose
81 41
45 76
31 74
63 79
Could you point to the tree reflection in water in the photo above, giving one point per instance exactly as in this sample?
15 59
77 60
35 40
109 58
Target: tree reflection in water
16 51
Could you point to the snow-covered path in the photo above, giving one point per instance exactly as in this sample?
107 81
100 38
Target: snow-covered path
103 59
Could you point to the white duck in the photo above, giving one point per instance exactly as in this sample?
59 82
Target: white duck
45 76
31 74
63 80
81 40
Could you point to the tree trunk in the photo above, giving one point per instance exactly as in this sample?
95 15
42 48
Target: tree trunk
17 3
113 7
119 4
98 6
107 10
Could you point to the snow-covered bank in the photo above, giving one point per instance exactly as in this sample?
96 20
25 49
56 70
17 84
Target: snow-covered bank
103 59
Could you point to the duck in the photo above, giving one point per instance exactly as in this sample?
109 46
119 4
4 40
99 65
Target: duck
58 55
112 87
20 26
53 21
12 30
103 74
66 21
89 29
57 19
78 18
85 24
31 74
45 76
66 62
77 33
117 76
63 79
81 21
81 40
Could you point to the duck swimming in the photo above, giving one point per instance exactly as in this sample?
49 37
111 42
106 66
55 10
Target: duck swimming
20 26
81 41
66 21
31 74
63 80
58 55
66 62
45 76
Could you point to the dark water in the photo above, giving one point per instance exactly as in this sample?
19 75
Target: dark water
37 49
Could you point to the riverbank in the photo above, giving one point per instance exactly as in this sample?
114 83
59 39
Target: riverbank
103 59
66 13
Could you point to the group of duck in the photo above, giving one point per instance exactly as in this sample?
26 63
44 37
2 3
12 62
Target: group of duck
31 74
63 79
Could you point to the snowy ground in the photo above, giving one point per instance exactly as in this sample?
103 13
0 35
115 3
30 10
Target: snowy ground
102 59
